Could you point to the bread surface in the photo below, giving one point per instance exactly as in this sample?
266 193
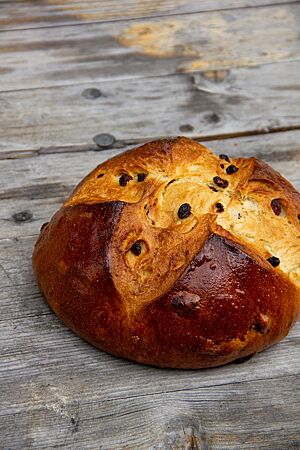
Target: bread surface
173 256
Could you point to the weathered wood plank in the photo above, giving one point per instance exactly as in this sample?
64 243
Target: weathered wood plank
39 184
252 415
243 100
124 49
24 14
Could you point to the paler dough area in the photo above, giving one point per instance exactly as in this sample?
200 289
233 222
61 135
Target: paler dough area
199 262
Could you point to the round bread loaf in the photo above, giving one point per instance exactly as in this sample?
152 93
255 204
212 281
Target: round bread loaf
172 256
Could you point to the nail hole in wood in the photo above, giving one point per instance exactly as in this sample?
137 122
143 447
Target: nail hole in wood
22 216
92 93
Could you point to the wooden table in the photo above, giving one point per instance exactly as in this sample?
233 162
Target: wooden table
227 72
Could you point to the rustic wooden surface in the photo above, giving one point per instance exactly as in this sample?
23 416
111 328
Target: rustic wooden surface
240 101
65 55
20 14
223 72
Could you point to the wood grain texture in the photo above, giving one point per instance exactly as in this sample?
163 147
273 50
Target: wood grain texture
207 104
57 391
24 14
143 48
217 418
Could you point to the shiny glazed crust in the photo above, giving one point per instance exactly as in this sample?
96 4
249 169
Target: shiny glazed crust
173 256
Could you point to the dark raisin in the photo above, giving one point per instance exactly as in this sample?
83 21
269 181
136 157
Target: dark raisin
219 207
178 302
213 188
298 217
184 211
100 175
274 261
260 327
222 166
141 176
124 179
231 169
136 248
225 157
185 303
220 182
276 206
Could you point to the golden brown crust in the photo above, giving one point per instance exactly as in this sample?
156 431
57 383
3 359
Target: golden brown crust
153 258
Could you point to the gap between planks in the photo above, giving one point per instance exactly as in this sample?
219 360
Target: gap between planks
219 74
84 17
193 42
206 106
125 144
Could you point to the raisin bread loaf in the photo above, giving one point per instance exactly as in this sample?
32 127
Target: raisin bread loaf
173 256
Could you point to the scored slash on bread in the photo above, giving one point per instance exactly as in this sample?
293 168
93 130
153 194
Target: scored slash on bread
173 256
